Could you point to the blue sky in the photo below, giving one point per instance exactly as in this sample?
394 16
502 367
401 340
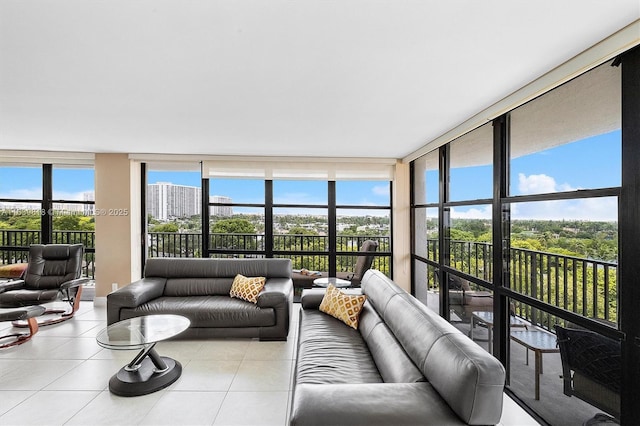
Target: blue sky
594 162
590 163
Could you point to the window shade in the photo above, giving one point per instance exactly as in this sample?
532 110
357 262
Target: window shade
299 169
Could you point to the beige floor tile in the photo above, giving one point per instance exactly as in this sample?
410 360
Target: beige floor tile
270 350
33 374
206 375
185 408
253 408
9 399
109 410
47 408
90 375
262 376
223 349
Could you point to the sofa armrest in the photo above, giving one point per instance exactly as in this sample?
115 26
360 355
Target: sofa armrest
275 292
133 295
311 298
370 404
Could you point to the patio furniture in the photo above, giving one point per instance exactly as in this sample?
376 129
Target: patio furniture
337 282
486 318
464 301
540 342
53 274
591 368
303 280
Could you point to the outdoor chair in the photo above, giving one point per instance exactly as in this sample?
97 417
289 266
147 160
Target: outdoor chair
53 274
591 368
363 264
464 301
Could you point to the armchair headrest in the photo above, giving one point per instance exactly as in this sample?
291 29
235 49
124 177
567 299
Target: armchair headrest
55 252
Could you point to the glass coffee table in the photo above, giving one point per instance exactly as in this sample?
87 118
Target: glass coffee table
147 372
337 282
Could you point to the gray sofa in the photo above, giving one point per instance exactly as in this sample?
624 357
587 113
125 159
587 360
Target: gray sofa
404 365
199 290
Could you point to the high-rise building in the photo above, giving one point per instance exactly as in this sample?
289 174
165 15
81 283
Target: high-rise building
166 200
220 210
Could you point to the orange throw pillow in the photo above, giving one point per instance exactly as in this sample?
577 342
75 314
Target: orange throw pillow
247 288
345 307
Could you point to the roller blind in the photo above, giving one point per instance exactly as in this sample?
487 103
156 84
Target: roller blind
299 169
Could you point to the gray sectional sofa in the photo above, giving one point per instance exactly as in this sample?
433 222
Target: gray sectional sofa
199 290
404 365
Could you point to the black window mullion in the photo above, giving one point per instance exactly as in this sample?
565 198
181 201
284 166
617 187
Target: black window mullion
268 218
46 221
500 232
204 216
629 239
332 217
443 229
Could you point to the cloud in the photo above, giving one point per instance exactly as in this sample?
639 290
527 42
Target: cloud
23 194
588 209
540 184
472 213
381 190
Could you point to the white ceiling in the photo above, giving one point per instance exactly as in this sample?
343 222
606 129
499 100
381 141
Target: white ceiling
331 78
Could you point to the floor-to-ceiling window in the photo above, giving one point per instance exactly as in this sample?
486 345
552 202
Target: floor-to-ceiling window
45 203
527 217
173 204
318 215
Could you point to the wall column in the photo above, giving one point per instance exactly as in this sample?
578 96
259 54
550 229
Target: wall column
401 226
118 240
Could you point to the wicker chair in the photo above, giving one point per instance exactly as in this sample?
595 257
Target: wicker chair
591 368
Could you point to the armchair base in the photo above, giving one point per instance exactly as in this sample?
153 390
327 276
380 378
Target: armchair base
28 315
60 314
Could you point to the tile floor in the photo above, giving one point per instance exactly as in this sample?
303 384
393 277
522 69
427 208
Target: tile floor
60 377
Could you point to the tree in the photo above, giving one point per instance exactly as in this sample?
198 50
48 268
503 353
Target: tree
165 227
233 226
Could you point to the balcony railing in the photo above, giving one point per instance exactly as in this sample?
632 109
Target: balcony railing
583 286
14 246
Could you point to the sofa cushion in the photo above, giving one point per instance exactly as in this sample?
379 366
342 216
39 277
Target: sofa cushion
372 404
344 307
247 288
392 361
330 352
207 311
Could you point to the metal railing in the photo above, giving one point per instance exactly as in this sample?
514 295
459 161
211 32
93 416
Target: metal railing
583 286
14 246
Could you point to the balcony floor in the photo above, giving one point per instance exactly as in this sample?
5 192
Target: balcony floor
553 405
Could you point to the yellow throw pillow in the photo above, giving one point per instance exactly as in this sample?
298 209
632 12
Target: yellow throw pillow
247 288
345 307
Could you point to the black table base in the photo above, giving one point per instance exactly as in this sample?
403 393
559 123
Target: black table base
147 373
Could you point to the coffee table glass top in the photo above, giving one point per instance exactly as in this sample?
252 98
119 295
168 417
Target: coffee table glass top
138 332
337 282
